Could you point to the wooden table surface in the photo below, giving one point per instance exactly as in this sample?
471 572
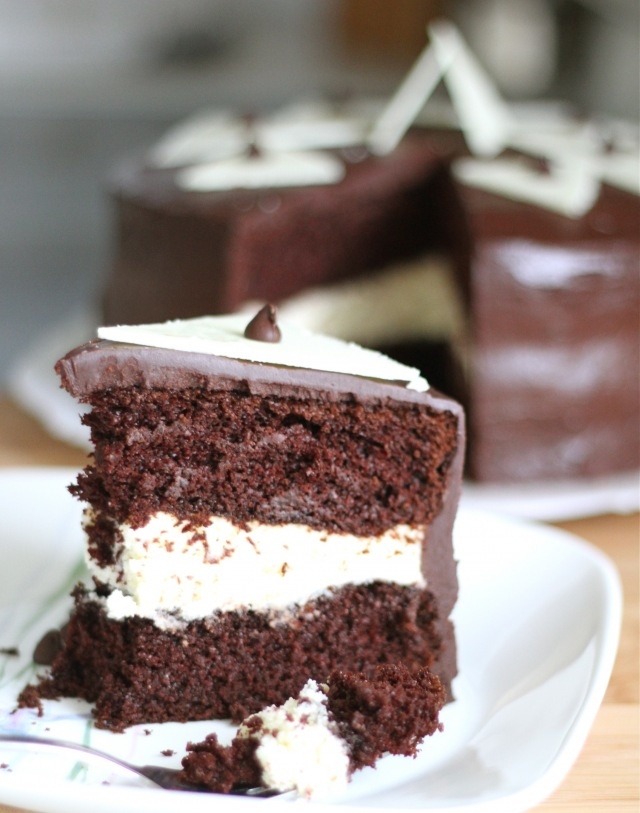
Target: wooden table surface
605 777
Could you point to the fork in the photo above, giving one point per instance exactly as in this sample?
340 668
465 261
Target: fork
167 778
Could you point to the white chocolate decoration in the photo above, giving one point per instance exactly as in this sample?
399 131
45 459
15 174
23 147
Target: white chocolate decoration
262 171
167 566
573 142
621 169
578 164
210 135
312 125
484 117
407 102
569 189
619 163
559 139
204 137
224 336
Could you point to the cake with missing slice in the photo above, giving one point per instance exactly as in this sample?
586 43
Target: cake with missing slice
500 298
264 506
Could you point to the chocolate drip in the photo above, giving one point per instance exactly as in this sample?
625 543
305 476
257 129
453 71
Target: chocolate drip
263 326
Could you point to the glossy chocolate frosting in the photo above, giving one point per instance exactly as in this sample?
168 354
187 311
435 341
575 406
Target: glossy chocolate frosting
101 364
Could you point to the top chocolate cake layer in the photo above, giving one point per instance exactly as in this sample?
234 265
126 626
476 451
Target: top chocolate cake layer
262 441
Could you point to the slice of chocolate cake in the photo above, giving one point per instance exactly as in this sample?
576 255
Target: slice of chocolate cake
312 744
259 513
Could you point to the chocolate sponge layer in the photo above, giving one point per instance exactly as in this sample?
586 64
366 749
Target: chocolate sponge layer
234 664
340 466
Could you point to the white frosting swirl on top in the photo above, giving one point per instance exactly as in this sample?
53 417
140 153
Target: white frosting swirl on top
224 336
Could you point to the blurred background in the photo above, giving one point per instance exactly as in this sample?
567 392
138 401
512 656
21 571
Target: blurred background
83 82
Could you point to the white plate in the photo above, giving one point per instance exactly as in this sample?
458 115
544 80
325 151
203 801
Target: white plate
559 500
34 385
537 622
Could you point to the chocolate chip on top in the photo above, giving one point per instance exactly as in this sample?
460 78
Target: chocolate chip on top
263 326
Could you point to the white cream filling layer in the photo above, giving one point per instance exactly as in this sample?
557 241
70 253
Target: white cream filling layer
166 567
298 747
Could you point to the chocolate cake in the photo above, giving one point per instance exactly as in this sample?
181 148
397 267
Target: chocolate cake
260 511
527 315
314 743
553 385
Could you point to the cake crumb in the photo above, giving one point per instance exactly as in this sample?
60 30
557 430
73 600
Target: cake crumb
29 698
168 752
12 651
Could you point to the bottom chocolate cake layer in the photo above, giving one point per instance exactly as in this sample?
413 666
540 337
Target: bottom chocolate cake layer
233 664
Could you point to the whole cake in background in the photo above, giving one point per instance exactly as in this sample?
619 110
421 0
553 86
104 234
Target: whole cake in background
502 264
264 506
